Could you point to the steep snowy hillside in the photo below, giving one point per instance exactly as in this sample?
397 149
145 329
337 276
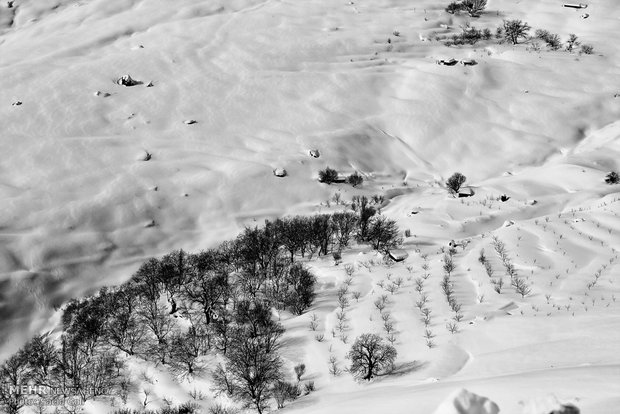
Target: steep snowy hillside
96 176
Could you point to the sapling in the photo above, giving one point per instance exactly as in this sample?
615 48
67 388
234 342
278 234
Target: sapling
341 316
419 285
333 366
300 369
392 288
314 322
452 327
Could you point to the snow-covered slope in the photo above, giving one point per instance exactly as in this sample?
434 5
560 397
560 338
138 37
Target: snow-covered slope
265 82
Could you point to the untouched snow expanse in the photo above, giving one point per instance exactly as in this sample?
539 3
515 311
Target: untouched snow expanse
265 82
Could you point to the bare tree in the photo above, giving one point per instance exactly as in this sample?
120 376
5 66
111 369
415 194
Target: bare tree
285 391
366 211
300 282
455 182
186 348
123 329
252 371
208 286
382 233
370 356
12 373
344 224
223 381
42 358
159 323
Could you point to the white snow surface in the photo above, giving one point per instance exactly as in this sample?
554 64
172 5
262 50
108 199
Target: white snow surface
265 82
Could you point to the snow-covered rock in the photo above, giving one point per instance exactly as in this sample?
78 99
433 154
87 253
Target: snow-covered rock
466 402
279 172
127 80
549 405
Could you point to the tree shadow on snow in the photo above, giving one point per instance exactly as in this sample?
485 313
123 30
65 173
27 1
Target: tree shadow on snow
404 368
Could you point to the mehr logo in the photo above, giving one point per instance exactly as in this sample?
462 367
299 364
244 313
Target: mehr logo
37 389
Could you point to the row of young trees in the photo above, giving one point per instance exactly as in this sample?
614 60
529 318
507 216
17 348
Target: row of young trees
180 307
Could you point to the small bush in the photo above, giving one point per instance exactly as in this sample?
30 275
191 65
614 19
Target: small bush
499 33
469 36
355 179
551 39
328 175
488 268
299 371
186 408
482 257
454 7
572 42
309 387
337 257
285 391
554 42
514 30
587 49
220 409
473 7
612 178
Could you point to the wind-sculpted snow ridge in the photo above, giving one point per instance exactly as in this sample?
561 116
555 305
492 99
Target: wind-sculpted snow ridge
465 402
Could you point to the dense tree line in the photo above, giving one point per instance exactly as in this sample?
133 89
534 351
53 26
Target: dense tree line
181 306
